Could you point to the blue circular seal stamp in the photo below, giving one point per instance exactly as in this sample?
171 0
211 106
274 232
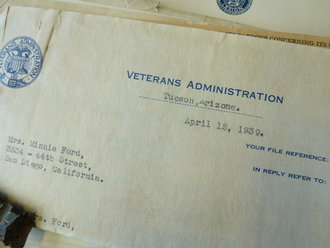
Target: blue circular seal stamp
20 62
234 7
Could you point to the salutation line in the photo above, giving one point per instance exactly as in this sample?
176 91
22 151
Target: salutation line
197 106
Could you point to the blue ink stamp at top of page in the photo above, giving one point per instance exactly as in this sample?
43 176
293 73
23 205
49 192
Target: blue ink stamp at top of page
234 7
20 62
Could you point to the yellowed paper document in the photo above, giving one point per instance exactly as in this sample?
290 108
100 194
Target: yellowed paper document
295 16
133 134
44 239
140 10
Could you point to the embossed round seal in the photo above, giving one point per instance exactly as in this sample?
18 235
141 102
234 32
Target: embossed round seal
234 7
20 62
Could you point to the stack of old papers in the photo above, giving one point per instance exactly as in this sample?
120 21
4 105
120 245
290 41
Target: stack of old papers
143 124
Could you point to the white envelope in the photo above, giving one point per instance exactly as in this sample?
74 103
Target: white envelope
133 134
